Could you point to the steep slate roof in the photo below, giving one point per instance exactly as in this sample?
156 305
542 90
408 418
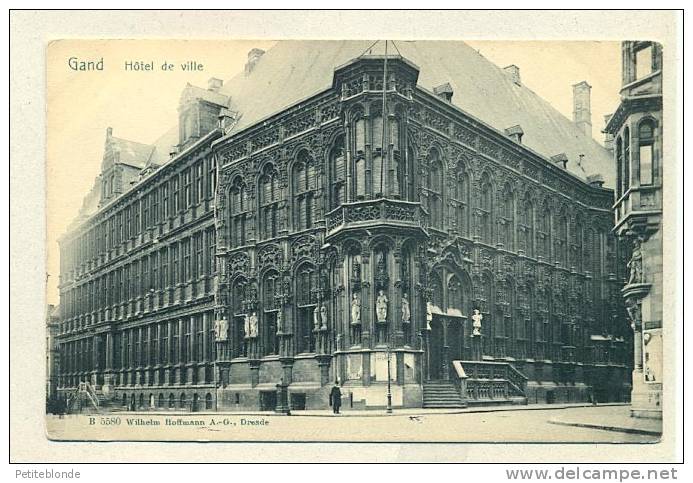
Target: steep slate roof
132 153
295 70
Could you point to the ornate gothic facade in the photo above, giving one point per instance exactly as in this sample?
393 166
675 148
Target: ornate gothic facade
350 237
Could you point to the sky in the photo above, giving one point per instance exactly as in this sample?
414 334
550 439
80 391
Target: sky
142 105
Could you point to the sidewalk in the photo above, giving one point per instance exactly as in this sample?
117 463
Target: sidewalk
610 419
379 412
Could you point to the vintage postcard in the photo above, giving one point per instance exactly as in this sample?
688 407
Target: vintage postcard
356 240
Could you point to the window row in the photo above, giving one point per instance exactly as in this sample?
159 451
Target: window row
180 192
179 262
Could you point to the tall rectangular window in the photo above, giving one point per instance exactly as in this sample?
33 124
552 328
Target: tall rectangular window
187 188
164 202
199 255
199 181
211 178
175 194
211 244
199 338
175 343
175 269
186 260
163 273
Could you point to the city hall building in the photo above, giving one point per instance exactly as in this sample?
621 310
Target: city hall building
391 217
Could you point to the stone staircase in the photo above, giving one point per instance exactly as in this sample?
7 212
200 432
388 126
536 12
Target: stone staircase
491 383
86 399
441 394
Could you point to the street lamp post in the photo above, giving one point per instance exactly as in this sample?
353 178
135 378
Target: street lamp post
389 387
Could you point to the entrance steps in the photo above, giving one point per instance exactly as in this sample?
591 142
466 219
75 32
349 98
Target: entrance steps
441 394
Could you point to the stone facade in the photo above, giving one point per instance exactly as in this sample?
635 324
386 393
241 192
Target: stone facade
349 237
637 130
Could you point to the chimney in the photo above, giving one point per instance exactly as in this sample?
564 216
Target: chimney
595 180
560 160
214 84
253 58
109 132
444 91
515 133
513 72
608 137
173 151
582 111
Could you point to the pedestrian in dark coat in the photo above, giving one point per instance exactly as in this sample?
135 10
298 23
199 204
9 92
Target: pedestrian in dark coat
336 398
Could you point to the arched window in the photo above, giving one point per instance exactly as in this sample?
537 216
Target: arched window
378 176
401 169
562 238
160 403
529 318
646 151
587 252
486 211
626 160
410 185
306 302
459 203
544 233
269 201
359 149
507 217
238 297
338 166
434 189
509 313
487 301
239 210
526 226
271 288
183 401
437 290
577 244
171 401
208 401
304 184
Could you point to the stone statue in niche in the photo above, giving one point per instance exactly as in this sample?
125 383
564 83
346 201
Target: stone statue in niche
381 277
323 317
280 322
316 318
221 329
246 326
381 306
406 312
355 310
476 322
635 263
252 322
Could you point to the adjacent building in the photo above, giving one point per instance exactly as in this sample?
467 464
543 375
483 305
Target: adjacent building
351 212
636 130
